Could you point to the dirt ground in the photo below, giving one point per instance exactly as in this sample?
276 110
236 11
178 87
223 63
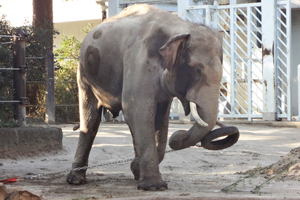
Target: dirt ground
256 167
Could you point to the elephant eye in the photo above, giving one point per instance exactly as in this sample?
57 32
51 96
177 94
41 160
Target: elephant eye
198 71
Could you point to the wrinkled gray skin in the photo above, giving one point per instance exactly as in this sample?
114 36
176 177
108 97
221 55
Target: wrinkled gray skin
137 62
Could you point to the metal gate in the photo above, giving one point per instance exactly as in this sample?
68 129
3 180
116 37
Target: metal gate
242 87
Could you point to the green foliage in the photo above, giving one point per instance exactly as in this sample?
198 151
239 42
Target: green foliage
66 91
9 124
6 84
38 42
87 29
70 48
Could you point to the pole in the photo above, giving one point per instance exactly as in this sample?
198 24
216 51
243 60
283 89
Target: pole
298 117
269 61
50 101
19 77
182 5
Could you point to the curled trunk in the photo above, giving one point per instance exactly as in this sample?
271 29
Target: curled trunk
207 109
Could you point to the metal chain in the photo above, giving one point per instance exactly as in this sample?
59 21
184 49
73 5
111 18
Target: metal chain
103 164
118 162
40 176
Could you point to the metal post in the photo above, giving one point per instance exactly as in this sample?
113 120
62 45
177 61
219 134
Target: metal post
207 17
19 76
288 42
216 16
233 67
298 117
182 5
249 62
50 101
114 7
269 58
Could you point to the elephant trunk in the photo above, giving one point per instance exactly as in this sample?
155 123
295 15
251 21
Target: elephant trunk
207 109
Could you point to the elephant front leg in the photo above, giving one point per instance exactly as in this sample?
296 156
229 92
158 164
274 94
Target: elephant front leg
161 127
141 121
161 135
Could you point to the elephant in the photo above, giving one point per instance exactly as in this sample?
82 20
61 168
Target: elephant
137 62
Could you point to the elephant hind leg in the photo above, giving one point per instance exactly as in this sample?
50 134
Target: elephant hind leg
90 117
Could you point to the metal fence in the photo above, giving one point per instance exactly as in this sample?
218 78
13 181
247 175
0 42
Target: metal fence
42 106
19 70
244 92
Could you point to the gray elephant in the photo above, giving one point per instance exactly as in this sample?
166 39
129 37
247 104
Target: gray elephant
137 62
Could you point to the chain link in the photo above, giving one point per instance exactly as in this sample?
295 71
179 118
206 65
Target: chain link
117 162
40 176
103 164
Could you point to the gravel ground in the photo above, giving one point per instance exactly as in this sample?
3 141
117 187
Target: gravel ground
233 173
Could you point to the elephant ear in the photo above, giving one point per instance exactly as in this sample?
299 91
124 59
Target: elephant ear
173 49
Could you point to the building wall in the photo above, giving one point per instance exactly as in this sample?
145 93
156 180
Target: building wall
295 59
70 28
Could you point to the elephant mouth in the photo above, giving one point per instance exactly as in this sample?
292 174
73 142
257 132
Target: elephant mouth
211 141
190 107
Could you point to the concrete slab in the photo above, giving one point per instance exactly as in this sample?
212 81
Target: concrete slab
29 141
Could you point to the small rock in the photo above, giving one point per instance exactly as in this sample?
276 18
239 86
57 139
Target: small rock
3 192
23 195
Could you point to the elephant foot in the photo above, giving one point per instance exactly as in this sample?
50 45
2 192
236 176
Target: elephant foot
152 185
135 168
76 178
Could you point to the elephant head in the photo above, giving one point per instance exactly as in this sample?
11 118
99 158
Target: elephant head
193 74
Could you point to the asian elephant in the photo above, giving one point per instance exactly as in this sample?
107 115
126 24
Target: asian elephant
137 62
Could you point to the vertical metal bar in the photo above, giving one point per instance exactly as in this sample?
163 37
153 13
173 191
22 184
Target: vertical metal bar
216 17
288 44
114 7
249 62
279 103
233 77
50 101
19 77
298 118
182 6
207 17
269 58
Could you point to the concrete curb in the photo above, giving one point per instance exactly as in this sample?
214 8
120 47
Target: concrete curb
29 141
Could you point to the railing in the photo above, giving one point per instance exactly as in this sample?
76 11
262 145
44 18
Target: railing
20 101
244 87
19 70
241 93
